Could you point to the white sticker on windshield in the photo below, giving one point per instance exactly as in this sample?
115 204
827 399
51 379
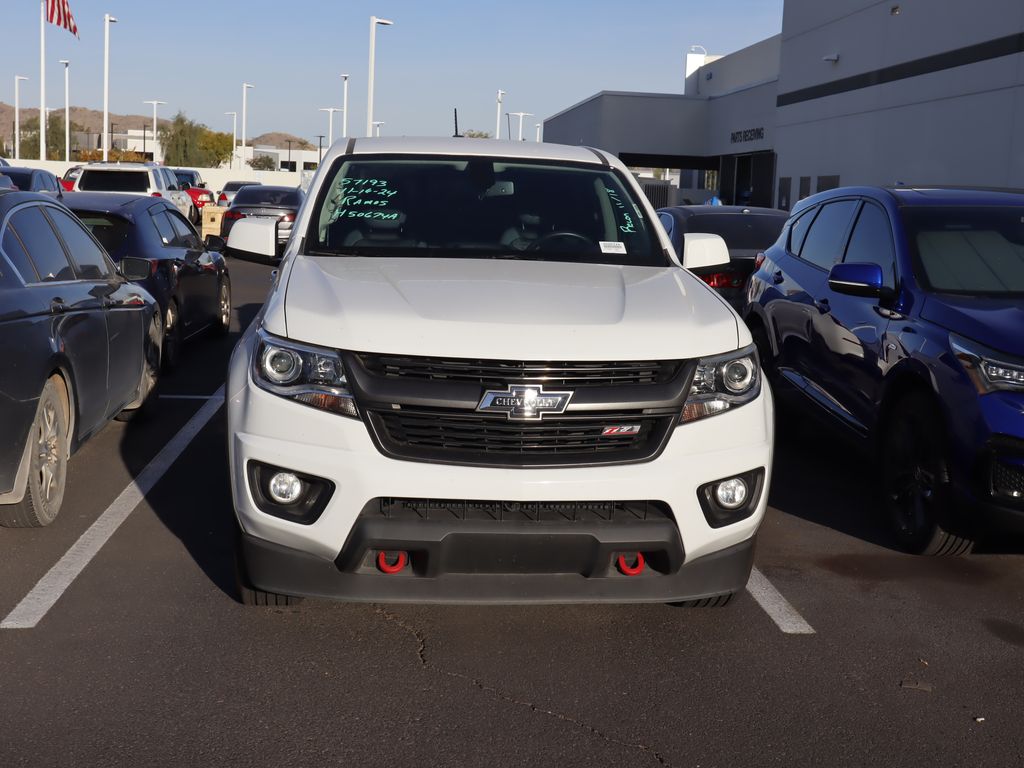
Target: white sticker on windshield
612 247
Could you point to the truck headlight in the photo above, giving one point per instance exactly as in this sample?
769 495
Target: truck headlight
988 370
722 382
313 376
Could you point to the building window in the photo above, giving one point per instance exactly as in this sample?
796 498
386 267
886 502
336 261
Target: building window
827 182
785 191
805 187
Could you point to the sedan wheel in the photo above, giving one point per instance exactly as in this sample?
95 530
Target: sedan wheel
48 459
224 308
172 337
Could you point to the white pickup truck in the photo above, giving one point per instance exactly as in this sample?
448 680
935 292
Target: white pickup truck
483 375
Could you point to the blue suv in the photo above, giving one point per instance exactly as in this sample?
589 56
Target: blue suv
898 314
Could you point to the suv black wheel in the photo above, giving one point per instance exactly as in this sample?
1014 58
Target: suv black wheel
915 480
48 463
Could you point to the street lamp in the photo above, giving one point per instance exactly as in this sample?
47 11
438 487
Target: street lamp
234 137
320 147
156 144
521 115
376 127
344 107
67 110
497 124
538 132
17 115
374 21
107 21
245 116
330 122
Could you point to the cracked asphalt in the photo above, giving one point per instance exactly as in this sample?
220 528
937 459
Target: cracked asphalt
147 659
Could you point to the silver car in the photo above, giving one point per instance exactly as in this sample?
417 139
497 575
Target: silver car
227 195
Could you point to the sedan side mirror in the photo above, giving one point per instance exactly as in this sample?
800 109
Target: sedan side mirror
215 243
704 250
134 269
857 279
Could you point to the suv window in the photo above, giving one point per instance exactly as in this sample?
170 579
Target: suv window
798 230
88 257
871 242
15 251
98 180
430 206
169 178
823 245
44 249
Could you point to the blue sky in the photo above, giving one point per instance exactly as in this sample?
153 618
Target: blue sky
439 55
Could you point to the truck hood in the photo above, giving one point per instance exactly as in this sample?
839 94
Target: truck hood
998 323
500 309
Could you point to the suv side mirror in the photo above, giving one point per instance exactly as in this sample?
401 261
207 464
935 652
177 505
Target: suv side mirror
704 250
133 268
857 279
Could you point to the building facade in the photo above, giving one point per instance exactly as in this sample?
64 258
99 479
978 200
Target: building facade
926 92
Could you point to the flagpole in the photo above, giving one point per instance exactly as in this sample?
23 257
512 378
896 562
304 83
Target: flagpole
42 79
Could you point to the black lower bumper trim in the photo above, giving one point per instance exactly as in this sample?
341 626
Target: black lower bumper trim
274 568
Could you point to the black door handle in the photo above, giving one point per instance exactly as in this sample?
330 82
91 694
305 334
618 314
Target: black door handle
58 307
778 277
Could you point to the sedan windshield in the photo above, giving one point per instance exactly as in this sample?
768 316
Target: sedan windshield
21 179
481 207
741 231
276 196
968 250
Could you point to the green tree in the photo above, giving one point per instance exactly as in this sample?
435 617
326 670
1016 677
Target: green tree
263 163
54 136
186 142
474 134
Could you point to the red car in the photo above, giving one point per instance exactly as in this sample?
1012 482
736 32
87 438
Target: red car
193 183
68 182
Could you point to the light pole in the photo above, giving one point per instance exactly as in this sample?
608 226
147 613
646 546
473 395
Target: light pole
497 124
374 21
234 137
67 110
107 21
156 143
344 107
538 132
245 117
17 115
376 127
521 115
330 122
320 148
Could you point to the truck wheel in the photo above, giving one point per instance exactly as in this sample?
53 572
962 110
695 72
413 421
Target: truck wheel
915 480
250 595
48 464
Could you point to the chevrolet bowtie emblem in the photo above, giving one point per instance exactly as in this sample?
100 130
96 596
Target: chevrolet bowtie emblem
523 403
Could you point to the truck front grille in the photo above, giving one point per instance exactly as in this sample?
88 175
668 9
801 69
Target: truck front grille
517 511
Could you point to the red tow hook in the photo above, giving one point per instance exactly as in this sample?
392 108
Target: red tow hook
631 570
395 567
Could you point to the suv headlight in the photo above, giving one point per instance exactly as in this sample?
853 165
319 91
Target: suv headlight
988 370
313 376
722 382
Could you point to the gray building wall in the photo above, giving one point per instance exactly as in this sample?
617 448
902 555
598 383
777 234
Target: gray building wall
755 63
963 125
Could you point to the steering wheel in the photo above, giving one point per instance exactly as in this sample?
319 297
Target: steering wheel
540 242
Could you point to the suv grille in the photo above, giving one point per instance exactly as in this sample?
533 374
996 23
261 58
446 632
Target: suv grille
467 437
498 373
517 511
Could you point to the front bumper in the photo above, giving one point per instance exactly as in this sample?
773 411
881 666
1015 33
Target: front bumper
317 559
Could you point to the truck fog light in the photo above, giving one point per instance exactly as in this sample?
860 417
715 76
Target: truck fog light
284 488
732 493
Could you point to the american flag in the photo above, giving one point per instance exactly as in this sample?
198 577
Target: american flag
58 12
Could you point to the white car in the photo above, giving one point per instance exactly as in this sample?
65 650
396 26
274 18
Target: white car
483 375
135 178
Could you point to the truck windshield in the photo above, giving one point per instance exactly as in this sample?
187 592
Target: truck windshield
113 181
972 250
481 207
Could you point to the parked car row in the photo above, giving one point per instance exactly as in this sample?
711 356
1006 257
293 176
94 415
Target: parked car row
32 180
96 296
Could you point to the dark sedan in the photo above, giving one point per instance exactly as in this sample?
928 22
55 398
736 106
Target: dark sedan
747 231
33 180
265 202
80 345
188 277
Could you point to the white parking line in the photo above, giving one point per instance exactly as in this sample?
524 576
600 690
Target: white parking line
49 589
776 606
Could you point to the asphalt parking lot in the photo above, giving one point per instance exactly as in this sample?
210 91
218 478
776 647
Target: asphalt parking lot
842 652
